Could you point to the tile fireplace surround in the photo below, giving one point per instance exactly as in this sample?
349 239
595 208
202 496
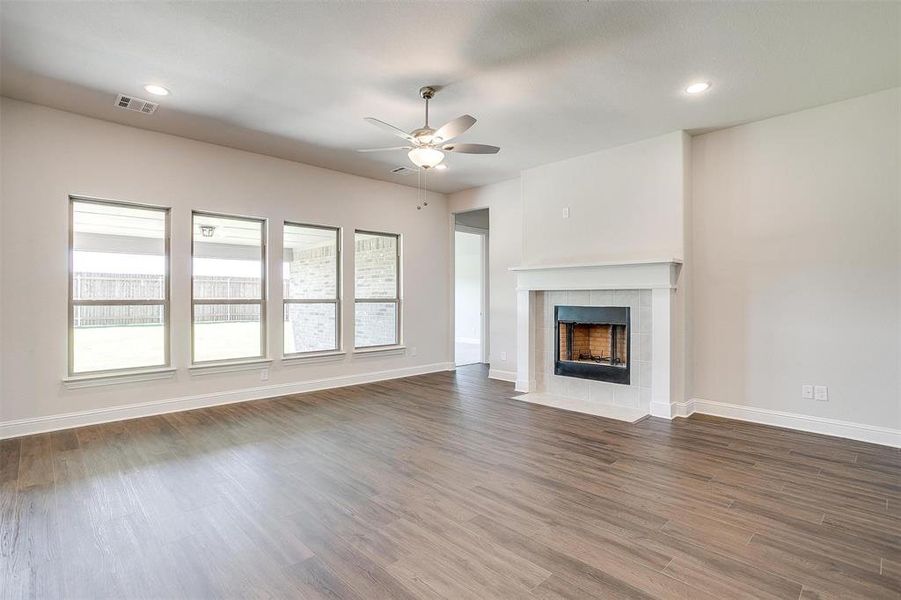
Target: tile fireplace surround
646 287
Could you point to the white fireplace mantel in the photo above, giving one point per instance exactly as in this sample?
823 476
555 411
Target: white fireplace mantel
609 263
659 276
628 275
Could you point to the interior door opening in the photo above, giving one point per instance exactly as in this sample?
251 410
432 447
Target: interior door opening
470 287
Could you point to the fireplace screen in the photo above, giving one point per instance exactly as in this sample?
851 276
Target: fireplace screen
593 342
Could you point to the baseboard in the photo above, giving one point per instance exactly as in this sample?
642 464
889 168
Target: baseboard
845 429
665 410
17 428
502 375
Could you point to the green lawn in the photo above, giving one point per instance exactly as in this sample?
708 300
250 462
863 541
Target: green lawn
101 348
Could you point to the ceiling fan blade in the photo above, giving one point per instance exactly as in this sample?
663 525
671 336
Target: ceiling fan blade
454 128
471 148
383 149
389 128
404 170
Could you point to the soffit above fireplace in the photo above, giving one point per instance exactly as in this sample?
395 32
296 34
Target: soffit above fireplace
623 275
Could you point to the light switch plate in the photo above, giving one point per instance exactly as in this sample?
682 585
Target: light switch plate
807 392
821 393
566 213
503 356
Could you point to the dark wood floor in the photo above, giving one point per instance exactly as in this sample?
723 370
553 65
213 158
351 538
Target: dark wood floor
441 487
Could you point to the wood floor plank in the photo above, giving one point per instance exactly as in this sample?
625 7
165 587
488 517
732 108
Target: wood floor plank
817 568
9 459
35 464
442 486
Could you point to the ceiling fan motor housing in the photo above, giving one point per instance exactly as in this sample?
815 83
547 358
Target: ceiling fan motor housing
423 135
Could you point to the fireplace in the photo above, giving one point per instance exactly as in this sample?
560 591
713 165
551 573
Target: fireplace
593 342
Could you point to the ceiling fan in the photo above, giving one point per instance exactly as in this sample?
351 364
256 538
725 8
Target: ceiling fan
427 145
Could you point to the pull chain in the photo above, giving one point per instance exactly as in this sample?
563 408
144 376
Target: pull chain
422 188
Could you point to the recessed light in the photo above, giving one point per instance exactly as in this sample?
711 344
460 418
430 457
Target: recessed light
697 88
156 90
441 167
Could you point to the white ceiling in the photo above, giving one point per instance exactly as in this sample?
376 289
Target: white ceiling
546 80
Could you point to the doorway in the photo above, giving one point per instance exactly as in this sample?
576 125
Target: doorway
470 287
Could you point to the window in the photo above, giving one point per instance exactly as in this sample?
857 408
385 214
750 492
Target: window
118 286
311 269
376 289
229 288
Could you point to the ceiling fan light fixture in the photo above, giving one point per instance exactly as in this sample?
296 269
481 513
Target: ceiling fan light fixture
426 158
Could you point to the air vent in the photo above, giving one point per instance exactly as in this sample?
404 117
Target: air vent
403 171
136 104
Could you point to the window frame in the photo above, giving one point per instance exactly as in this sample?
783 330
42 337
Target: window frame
164 302
397 300
262 301
337 300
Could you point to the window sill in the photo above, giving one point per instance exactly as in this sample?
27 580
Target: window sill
84 381
380 350
230 366
313 357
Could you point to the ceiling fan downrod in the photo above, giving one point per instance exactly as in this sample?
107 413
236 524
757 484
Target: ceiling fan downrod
427 93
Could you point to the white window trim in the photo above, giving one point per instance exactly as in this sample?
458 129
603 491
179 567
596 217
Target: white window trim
106 374
397 300
229 366
380 350
314 357
262 301
125 376
337 300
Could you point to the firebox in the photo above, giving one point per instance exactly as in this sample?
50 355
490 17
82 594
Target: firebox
593 342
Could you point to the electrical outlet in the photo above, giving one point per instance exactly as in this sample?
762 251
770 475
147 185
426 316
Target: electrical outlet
413 351
503 356
264 375
566 213
821 393
807 392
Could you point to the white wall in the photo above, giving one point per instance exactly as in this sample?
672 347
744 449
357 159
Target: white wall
468 287
504 251
625 203
790 230
797 262
48 154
